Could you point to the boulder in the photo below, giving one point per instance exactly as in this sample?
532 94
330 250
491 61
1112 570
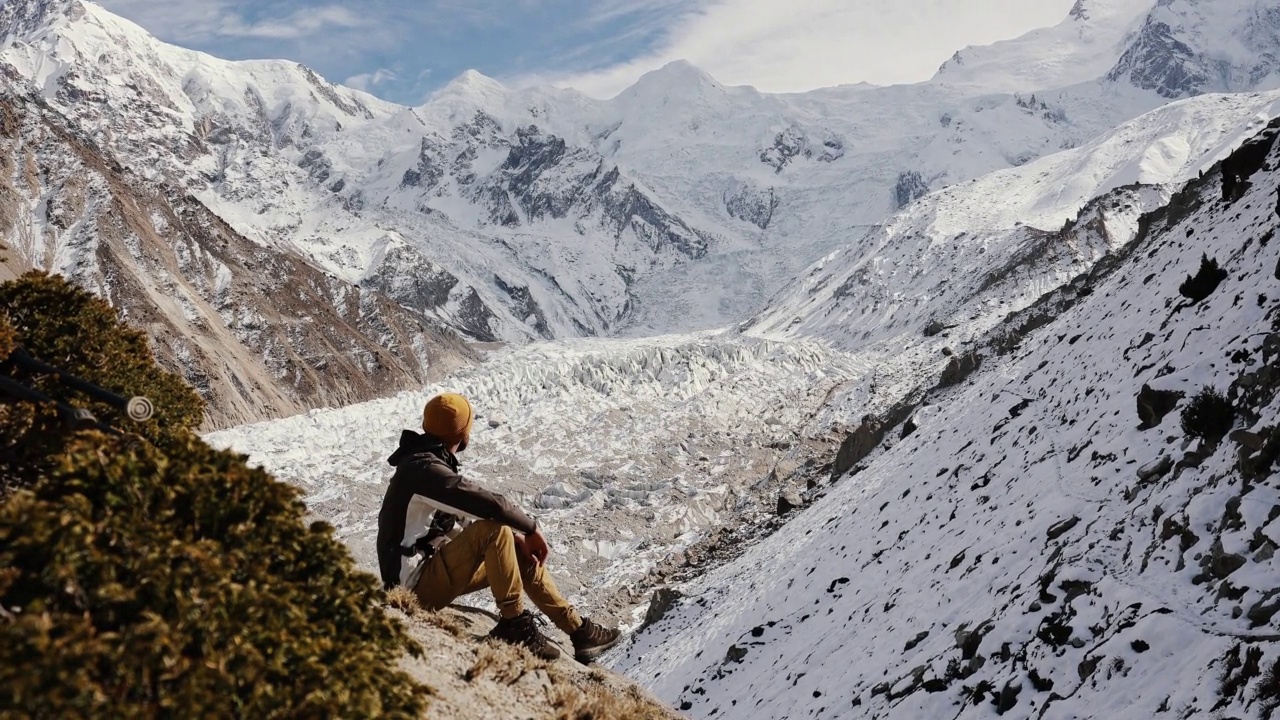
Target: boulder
784 471
1244 438
789 500
1154 405
661 602
1155 469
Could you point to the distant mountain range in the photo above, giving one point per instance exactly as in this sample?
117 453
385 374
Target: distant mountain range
347 232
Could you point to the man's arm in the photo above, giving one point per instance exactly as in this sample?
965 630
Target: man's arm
447 492
454 494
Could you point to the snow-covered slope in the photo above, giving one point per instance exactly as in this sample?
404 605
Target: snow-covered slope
966 256
1083 47
1033 546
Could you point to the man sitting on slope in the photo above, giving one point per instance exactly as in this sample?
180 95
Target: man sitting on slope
443 536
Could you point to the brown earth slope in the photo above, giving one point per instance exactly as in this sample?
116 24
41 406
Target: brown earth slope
257 330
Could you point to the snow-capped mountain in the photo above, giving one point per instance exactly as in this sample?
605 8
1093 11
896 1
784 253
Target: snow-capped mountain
258 331
512 214
1170 55
1031 544
955 260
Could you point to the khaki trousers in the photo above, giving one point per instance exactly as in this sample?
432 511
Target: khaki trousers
484 555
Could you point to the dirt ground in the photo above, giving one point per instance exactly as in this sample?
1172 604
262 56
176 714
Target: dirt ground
469 676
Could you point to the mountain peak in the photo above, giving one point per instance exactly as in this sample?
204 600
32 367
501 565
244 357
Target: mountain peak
465 94
1080 48
678 71
20 18
473 81
678 79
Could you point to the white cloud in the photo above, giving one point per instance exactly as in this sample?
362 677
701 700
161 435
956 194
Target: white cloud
301 23
181 20
206 19
804 44
368 81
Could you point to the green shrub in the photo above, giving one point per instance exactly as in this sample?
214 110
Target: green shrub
67 327
1209 415
171 579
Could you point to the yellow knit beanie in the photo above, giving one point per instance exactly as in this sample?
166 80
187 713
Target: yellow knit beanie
447 417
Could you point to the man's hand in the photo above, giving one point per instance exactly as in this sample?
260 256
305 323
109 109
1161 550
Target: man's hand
533 546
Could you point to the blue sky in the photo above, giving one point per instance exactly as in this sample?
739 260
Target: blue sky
403 49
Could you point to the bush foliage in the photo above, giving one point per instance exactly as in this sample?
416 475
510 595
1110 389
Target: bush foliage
160 577
1201 285
1208 416
67 327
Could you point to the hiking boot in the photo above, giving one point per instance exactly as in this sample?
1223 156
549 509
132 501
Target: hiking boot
523 630
591 640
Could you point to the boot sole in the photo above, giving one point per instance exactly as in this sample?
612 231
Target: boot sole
589 655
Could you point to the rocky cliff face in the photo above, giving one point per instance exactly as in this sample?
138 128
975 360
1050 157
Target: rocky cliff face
257 330
1173 56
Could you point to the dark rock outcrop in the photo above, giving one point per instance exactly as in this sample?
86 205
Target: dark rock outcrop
858 445
1158 60
752 205
911 187
1154 405
958 368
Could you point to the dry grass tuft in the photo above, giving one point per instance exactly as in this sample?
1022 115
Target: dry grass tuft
404 600
503 662
599 702
449 623
595 698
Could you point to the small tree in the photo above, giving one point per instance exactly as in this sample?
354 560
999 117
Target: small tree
1201 285
1208 416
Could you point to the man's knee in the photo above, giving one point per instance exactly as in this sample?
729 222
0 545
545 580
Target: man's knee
494 533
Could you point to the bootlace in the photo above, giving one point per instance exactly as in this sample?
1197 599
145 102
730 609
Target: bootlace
530 623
